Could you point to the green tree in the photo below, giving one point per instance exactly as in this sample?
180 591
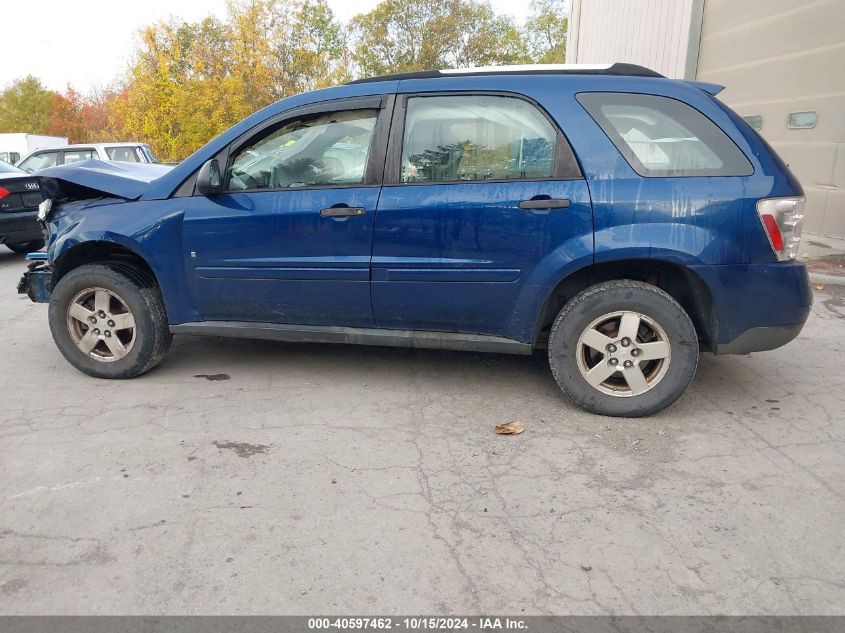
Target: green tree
400 36
191 81
545 31
25 106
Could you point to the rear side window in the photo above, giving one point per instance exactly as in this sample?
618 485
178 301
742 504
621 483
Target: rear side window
476 137
122 154
663 137
75 156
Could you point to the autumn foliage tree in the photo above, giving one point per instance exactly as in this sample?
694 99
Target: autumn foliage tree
545 31
26 106
400 36
81 118
190 81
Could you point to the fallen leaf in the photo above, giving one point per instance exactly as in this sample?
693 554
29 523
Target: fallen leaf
510 428
819 286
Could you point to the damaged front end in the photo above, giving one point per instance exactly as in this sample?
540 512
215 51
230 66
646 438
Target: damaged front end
66 187
37 282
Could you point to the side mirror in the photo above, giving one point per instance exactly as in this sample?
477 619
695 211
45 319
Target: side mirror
209 180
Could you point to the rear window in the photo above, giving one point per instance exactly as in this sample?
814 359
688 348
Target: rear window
663 137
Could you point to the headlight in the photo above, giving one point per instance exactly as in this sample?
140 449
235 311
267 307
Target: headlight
44 209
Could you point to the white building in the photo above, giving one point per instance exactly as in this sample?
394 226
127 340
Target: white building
782 62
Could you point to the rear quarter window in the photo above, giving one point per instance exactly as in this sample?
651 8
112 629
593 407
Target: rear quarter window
664 137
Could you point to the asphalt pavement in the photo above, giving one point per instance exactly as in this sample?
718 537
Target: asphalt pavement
249 477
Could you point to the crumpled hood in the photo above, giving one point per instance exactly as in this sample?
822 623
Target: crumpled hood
99 178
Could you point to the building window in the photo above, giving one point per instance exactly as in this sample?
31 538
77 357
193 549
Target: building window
755 121
801 120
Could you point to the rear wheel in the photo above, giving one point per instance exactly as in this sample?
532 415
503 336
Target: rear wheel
109 321
623 348
25 247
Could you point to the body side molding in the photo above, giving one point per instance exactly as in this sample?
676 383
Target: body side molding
357 336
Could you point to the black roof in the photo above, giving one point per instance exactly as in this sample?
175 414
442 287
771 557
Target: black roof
617 69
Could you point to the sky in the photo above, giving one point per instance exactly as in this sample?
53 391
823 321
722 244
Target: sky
88 43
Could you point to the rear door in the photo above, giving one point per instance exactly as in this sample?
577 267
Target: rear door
480 190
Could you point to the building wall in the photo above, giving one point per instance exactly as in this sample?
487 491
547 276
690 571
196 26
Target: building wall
774 57
660 34
783 56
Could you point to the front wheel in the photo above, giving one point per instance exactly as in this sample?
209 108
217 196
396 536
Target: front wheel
623 348
109 321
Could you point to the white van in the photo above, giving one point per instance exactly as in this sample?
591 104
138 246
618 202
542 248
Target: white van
14 145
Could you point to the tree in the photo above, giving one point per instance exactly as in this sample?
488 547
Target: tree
25 106
545 31
191 81
400 36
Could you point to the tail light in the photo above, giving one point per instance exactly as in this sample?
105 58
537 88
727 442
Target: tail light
4 192
782 219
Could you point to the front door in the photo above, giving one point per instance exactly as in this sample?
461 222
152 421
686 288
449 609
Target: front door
487 193
290 239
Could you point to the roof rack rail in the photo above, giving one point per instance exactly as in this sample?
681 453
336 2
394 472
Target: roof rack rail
618 69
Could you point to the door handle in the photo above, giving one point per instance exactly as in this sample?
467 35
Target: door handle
544 204
342 212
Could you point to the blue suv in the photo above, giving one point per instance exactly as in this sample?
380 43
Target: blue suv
618 219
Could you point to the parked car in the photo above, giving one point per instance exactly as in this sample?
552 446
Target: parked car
19 200
119 152
616 219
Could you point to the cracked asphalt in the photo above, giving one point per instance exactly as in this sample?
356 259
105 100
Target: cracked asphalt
247 477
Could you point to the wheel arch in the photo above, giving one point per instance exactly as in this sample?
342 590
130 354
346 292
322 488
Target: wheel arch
104 252
681 283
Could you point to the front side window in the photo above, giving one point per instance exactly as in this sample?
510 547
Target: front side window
662 137
123 154
323 150
39 161
80 154
475 137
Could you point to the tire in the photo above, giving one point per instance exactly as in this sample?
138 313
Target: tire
122 290
648 374
25 247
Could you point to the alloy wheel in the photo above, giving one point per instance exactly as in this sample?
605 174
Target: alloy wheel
101 325
623 354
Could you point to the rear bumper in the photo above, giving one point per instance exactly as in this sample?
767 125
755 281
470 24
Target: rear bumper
19 227
758 307
761 339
